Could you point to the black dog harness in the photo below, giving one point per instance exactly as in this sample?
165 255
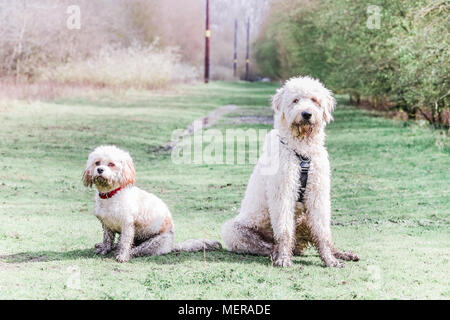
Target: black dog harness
304 168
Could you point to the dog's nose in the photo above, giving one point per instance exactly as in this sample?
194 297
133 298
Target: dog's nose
306 115
100 170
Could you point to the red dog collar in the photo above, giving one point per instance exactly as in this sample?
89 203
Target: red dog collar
109 194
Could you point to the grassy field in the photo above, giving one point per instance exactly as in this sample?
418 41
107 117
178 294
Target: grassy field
390 199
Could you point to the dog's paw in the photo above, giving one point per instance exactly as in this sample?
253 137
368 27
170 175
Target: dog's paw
281 260
123 257
347 256
335 263
212 245
101 249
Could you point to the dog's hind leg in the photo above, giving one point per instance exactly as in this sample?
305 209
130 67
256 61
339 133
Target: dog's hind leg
241 239
157 245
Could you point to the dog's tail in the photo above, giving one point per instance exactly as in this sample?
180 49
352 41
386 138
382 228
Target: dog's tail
194 245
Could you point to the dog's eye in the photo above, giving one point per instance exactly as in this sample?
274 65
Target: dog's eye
295 101
111 164
314 99
97 163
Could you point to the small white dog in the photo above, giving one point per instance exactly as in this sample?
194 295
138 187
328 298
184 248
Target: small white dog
143 221
289 209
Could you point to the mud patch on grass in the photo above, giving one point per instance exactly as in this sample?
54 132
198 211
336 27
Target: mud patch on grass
46 256
23 258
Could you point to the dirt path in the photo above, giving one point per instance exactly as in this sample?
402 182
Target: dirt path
210 119
207 121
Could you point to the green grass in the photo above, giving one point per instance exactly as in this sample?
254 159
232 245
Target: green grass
390 198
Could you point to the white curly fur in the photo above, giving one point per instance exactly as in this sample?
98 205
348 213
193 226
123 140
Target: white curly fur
271 221
143 221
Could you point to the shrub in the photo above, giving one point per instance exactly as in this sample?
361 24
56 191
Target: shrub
406 60
135 66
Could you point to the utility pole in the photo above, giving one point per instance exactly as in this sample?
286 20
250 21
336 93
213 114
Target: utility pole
247 58
207 36
235 47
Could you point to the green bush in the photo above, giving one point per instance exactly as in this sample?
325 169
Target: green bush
404 60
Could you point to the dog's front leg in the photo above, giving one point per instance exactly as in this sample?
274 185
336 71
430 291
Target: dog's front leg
105 247
318 220
282 219
126 241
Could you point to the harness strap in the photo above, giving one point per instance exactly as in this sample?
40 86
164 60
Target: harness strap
304 168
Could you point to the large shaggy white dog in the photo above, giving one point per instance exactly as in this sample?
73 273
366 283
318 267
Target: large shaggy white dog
142 219
283 211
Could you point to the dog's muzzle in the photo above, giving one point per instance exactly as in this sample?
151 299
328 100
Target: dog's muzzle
101 181
302 128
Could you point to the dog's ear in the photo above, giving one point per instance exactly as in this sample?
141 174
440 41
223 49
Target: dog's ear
276 99
328 103
128 172
87 178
